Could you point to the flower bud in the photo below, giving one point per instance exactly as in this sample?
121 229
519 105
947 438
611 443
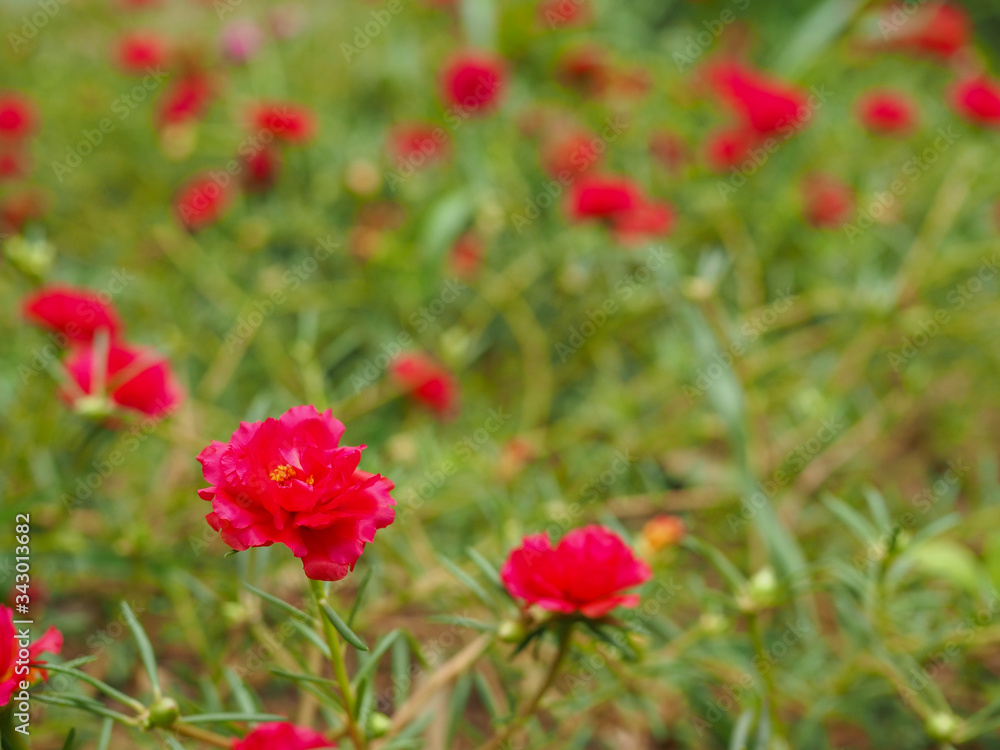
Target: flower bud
941 726
377 725
511 631
163 713
662 531
712 623
763 588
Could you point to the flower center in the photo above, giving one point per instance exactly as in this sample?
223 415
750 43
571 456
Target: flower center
284 473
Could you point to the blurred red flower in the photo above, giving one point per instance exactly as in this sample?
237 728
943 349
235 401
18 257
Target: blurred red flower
937 28
621 203
51 643
260 169
727 148
17 209
186 99
978 100
133 378
828 202
466 255
765 104
17 116
886 112
426 381
417 143
586 572
202 201
571 153
586 70
556 13
282 736
75 313
288 480
14 161
473 82
287 122
139 51
647 219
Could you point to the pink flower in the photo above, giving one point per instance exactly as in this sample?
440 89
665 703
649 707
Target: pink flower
288 480
282 736
17 116
978 100
242 40
51 642
133 378
139 51
586 572
75 313
473 82
427 382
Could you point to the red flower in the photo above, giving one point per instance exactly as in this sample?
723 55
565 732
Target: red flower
427 382
75 313
51 642
765 104
289 123
288 480
587 70
139 51
17 116
978 100
586 572
201 202
647 219
555 13
621 203
886 112
185 100
133 378
260 169
473 82
574 153
937 28
829 202
663 531
727 148
14 161
466 255
282 736
417 143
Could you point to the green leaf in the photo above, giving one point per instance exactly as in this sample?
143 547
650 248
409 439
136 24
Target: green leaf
486 567
854 521
345 632
312 636
172 742
372 658
227 716
145 647
70 740
736 580
456 707
244 699
446 220
102 686
104 738
741 731
357 599
951 561
469 582
465 622
280 603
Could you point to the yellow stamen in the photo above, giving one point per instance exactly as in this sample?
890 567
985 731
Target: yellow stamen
282 473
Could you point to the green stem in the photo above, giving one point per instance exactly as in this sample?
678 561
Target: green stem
532 706
760 650
11 738
339 668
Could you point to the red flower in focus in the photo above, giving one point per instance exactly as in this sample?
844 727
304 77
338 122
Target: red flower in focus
288 480
571 154
978 100
260 169
937 28
139 51
426 381
289 123
764 104
886 112
586 572
17 116
133 378
201 202
185 99
51 643
417 143
828 202
555 13
727 148
75 313
282 736
466 256
473 82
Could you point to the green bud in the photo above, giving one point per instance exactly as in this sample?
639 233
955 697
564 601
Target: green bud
163 713
941 726
763 588
378 725
511 631
713 623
